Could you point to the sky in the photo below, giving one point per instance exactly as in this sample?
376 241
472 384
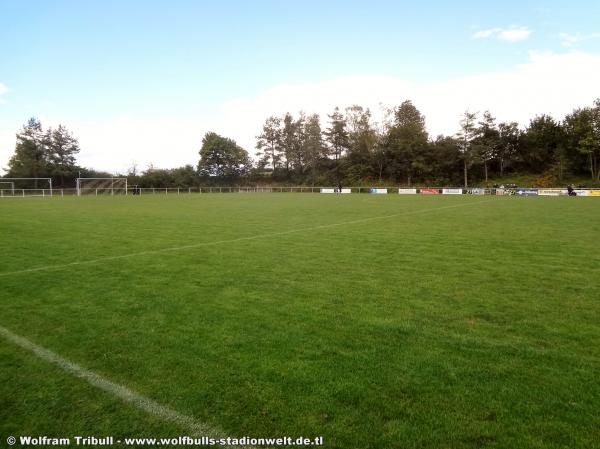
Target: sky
140 83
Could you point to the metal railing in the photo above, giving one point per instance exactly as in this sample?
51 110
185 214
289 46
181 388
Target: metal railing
62 192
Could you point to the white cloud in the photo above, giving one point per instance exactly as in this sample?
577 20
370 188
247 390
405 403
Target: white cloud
114 145
512 34
484 34
548 82
570 40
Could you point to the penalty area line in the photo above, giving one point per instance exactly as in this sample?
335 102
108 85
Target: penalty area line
198 429
235 240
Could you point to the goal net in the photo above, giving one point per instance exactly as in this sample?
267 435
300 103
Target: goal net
101 186
21 187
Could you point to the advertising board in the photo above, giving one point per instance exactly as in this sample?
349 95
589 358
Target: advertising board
527 192
452 191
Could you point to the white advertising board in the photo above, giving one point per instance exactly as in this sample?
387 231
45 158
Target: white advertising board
552 192
335 191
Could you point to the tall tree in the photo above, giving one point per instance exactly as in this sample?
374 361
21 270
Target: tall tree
30 159
292 142
595 150
447 160
539 143
298 153
408 141
582 128
337 135
269 142
381 153
222 157
467 134
62 148
312 143
488 140
508 135
288 138
362 141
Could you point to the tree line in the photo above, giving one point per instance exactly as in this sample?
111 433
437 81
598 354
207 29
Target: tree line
355 149
352 148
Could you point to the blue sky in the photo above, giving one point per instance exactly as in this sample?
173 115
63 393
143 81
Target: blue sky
102 66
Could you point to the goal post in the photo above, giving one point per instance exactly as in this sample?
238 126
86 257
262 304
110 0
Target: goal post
101 186
8 187
21 187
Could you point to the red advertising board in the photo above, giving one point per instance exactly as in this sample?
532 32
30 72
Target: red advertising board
430 191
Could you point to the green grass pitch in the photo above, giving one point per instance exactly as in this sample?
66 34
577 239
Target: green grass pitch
423 322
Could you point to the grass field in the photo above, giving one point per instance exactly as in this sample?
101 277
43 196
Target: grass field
374 321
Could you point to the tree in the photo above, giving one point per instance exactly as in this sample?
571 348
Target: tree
44 154
312 143
582 129
447 160
30 159
488 140
222 157
594 150
467 134
288 137
61 149
408 141
508 142
337 135
381 154
362 140
539 143
269 142
292 142
184 176
298 150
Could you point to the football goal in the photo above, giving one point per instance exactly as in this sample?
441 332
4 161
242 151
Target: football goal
8 187
21 187
101 186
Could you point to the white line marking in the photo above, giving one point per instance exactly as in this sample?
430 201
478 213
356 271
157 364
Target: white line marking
239 239
151 407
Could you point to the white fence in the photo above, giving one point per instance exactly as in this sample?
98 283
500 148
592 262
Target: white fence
23 193
9 192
